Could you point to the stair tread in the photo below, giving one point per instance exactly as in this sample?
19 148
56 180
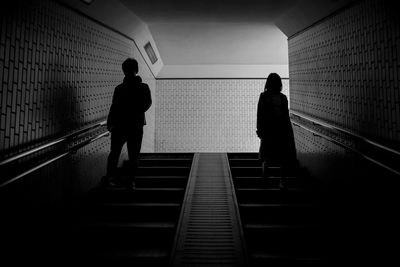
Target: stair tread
137 253
263 178
138 189
164 167
277 255
165 225
252 189
141 204
166 159
265 205
252 167
278 226
161 177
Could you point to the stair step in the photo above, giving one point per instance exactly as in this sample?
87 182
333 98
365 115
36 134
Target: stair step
260 258
279 256
253 156
134 205
256 171
165 156
133 212
283 238
277 205
161 181
163 171
244 163
280 227
134 225
279 213
252 171
161 177
128 256
271 182
117 194
119 235
165 162
272 195
138 253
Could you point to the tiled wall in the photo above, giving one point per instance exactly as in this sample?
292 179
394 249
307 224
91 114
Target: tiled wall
345 70
58 73
148 144
208 115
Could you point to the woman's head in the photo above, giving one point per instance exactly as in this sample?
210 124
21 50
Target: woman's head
273 83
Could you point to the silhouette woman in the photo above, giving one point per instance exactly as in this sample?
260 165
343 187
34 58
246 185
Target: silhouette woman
275 129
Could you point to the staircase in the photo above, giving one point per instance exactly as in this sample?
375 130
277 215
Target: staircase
281 227
120 227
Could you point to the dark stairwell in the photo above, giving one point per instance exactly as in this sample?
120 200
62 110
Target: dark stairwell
281 227
120 227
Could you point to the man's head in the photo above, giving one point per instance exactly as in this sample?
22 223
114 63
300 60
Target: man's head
130 67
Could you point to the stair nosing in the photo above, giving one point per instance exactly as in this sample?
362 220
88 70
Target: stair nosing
139 204
256 205
153 225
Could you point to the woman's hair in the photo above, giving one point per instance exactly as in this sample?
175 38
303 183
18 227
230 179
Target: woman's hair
273 83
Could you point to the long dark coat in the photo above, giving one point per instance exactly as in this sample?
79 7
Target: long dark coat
275 129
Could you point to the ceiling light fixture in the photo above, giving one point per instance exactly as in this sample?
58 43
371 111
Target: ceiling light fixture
150 53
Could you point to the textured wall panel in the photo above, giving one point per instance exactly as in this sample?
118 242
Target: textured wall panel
207 115
149 129
58 73
346 70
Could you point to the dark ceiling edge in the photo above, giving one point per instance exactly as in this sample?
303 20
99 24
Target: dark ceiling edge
106 26
330 15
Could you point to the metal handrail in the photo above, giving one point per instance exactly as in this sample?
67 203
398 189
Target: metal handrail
53 159
354 135
341 144
51 143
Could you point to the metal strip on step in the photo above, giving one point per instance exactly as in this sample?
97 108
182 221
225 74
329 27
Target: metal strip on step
209 231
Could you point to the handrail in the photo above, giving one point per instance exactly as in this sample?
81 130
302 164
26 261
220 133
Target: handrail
341 144
53 159
354 135
51 143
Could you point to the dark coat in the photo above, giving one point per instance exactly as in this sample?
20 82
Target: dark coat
131 100
275 129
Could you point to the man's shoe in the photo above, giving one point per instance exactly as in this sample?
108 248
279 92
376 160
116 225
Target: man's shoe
282 184
108 181
131 186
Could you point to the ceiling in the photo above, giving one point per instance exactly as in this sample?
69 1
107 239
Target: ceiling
224 11
210 32
227 38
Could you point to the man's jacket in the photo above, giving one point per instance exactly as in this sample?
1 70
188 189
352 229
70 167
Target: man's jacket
131 100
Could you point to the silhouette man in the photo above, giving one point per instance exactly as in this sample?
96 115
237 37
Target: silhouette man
126 119
275 129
